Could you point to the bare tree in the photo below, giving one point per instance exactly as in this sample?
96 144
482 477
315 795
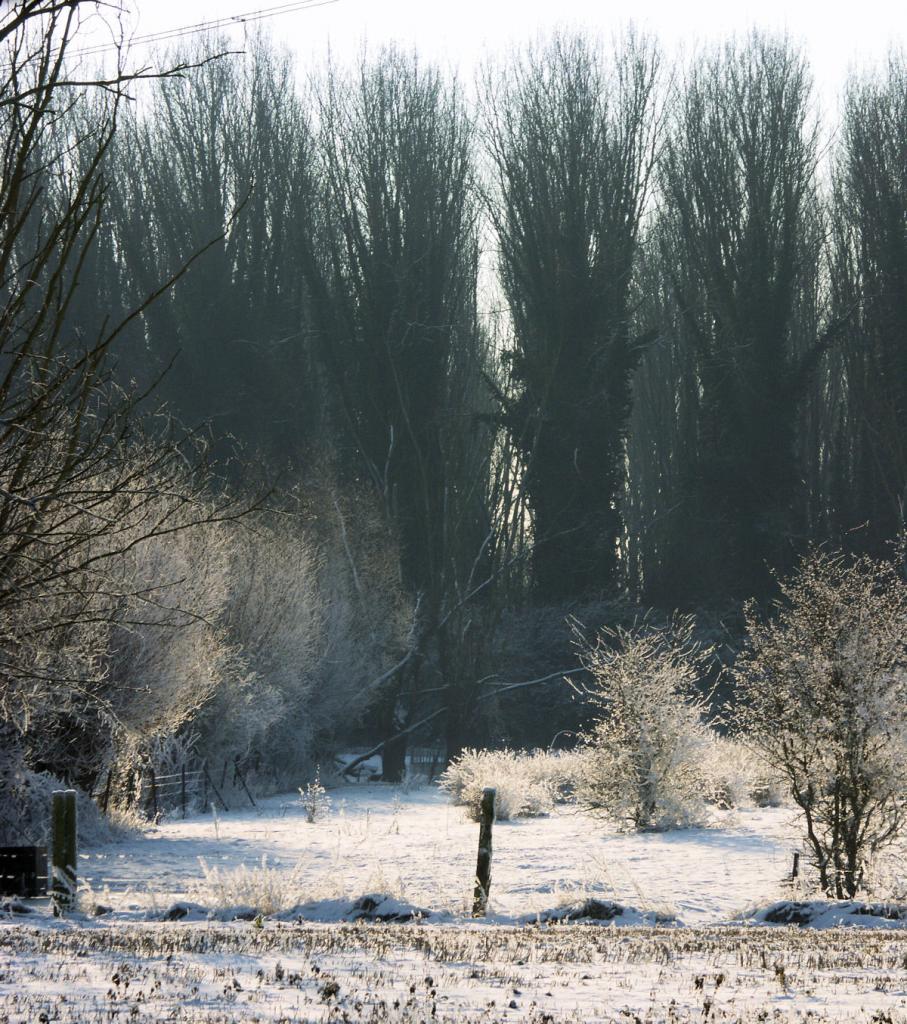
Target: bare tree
741 244
824 687
224 152
392 278
77 485
571 135
869 278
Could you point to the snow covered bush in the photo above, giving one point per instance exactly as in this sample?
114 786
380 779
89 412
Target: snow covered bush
261 643
315 800
527 784
170 660
642 763
734 776
824 701
261 889
25 800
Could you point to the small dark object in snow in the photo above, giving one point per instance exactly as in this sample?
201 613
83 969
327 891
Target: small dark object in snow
790 912
588 910
380 907
177 912
887 911
101 909
806 912
329 990
23 871
597 910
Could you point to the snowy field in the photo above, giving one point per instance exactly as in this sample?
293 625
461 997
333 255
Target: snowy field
304 963
423 849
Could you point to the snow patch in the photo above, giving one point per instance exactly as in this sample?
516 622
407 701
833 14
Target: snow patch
593 911
828 914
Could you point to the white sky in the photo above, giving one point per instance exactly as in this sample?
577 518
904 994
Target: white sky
837 33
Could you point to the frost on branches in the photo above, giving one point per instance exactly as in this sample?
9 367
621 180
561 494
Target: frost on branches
824 688
642 754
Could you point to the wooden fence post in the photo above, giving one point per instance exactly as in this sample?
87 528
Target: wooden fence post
795 869
64 850
237 774
216 790
183 789
483 864
153 792
107 790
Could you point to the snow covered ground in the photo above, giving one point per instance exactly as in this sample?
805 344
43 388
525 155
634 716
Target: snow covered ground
418 846
304 964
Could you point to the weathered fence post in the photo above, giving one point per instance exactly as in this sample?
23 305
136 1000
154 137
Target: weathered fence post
183 789
153 798
107 790
216 790
63 849
483 864
795 868
237 774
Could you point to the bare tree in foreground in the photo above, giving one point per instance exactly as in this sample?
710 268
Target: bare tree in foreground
78 486
824 690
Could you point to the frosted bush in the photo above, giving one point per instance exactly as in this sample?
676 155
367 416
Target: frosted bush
266 890
25 801
735 777
527 784
288 626
642 763
315 800
823 687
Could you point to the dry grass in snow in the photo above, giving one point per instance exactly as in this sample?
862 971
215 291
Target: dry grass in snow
418 848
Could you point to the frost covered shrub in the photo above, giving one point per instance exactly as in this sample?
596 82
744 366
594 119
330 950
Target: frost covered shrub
196 639
734 776
527 784
273 616
642 757
261 642
318 612
315 800
263 889
25 801
823 684
170 659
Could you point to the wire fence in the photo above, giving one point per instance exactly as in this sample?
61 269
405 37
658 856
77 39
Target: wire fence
156 794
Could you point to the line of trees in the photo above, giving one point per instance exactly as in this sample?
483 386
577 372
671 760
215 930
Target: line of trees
679 312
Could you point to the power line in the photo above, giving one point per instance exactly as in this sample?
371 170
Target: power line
229 21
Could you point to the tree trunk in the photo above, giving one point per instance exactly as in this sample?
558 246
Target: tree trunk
391 720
